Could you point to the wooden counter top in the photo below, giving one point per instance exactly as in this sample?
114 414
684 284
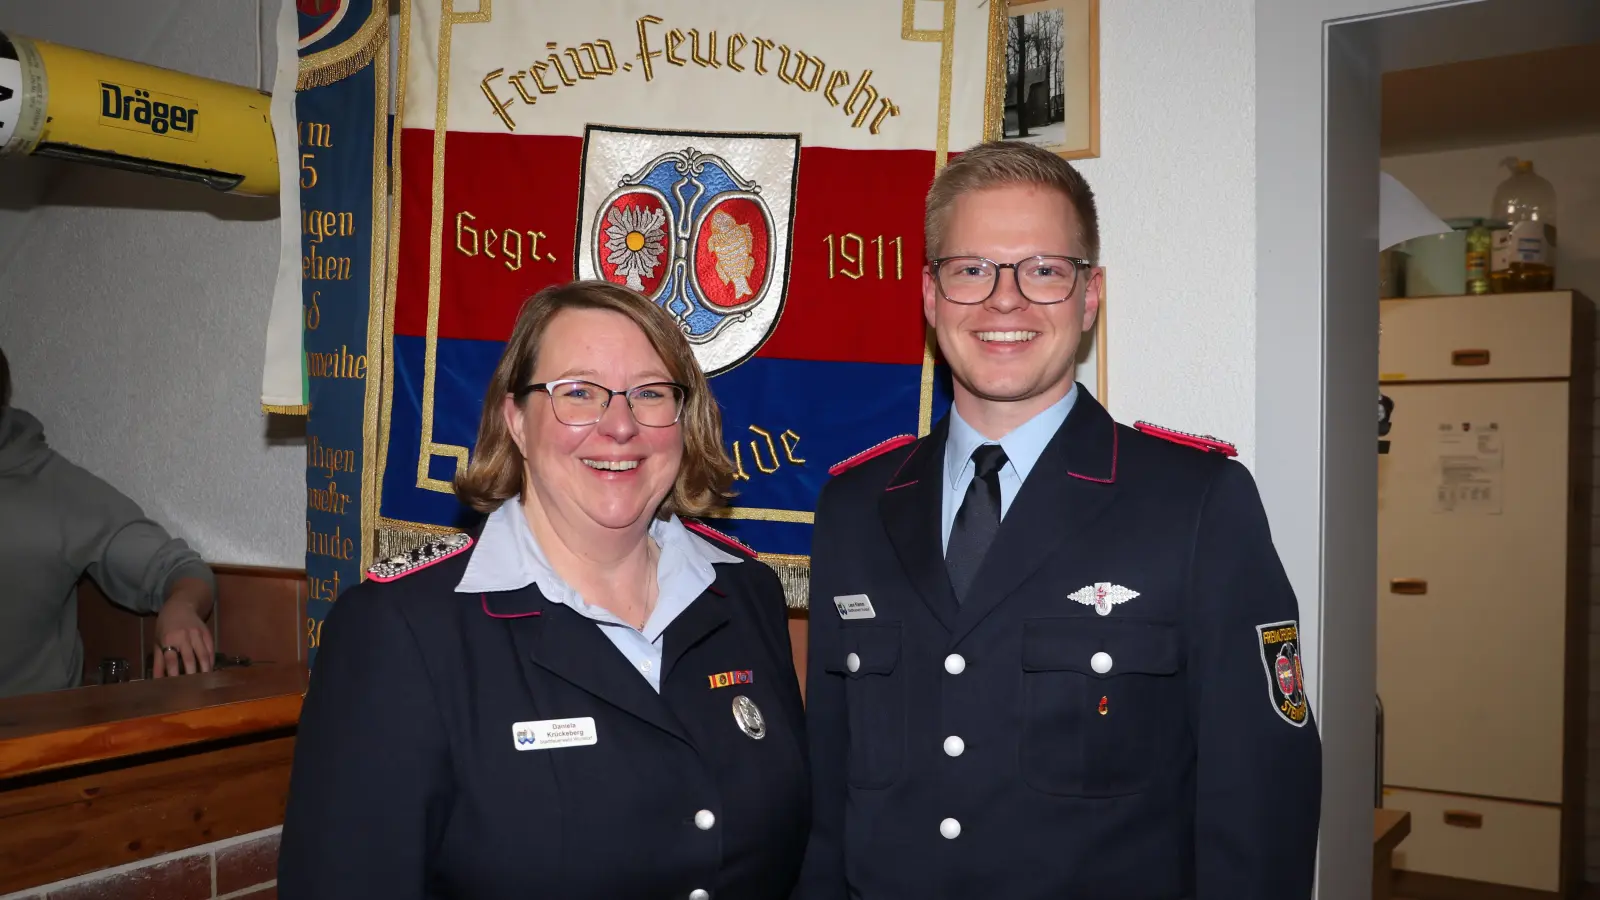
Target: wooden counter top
57 729
1389 828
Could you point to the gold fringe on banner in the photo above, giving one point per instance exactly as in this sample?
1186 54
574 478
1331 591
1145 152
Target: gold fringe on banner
302 410
394 538
326 67
794 573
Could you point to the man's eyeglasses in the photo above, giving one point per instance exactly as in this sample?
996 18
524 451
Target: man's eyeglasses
575 402
970 280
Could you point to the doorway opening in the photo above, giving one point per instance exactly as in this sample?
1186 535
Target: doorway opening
1320 150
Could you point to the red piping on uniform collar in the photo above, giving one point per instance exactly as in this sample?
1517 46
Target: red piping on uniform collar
495 615
895 487
1113 477
878 449
706 531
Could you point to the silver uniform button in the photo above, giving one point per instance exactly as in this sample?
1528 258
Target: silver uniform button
704 819
950 828
699 894
955 664
1100 662
954 746
852 662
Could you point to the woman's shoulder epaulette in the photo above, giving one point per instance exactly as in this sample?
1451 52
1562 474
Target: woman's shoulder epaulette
436 550
726 541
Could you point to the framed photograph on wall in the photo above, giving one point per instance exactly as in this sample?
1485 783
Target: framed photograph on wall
1050 75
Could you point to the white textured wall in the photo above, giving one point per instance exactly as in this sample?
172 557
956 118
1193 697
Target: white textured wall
133 310
1175 183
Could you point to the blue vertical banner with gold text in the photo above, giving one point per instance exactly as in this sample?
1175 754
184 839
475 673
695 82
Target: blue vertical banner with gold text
341 119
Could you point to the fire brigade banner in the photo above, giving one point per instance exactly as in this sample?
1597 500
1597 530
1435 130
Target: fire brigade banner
342 136
758 169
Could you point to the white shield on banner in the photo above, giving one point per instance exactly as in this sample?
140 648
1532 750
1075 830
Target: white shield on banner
698 222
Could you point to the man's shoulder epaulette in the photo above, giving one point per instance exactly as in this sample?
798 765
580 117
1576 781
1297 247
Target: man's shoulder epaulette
725 541
434 551
1198 441
874 451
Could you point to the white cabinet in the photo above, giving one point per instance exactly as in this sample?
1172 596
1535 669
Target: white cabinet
1516 844
1482 523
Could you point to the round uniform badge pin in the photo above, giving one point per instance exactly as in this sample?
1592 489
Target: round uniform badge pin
748 717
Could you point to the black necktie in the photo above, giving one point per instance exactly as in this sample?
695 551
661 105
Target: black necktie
977 520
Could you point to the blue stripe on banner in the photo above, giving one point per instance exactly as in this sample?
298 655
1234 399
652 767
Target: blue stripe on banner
837 409
463 369
784 421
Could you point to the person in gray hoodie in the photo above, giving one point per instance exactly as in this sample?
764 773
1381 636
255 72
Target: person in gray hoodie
59 522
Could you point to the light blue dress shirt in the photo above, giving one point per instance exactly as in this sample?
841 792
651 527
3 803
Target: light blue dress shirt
508 558
1023 446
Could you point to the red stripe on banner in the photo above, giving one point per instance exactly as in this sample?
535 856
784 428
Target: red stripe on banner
510 228
510 219
855 283
416 191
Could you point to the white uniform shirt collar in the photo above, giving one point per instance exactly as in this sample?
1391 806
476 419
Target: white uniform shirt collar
508 558
1023 445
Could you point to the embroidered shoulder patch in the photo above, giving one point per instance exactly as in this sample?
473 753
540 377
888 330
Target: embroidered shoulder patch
1286 680
715 536
879 449
437 550
1198 441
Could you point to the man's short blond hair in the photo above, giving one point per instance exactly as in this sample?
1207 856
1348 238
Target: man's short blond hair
999 163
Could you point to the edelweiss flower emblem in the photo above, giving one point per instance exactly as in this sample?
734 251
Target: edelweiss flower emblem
635 242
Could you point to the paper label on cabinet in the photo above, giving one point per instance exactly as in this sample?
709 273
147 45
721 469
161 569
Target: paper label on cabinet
1470 466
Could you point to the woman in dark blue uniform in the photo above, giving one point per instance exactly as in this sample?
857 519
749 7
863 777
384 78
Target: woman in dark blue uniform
586 698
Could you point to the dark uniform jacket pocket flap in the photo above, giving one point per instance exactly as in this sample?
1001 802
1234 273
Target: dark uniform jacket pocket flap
866 650
1072 644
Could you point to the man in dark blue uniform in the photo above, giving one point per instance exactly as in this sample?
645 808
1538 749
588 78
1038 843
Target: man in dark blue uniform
1050 655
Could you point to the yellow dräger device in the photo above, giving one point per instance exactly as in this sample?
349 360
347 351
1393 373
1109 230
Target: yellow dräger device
72 104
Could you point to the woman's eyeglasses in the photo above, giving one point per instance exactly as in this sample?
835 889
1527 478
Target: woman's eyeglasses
576 402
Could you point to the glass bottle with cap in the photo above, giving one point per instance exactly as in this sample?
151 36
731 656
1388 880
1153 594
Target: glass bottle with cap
1524 254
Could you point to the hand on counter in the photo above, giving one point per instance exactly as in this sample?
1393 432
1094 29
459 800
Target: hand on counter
184 644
